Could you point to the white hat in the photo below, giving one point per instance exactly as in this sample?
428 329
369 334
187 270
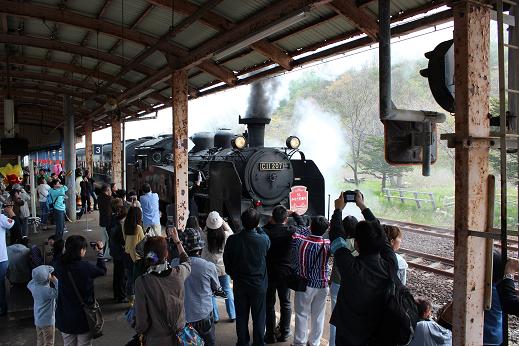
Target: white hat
214 220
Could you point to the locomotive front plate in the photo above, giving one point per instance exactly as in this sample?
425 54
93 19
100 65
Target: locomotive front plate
271 166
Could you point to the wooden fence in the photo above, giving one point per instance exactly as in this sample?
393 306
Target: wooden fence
405 195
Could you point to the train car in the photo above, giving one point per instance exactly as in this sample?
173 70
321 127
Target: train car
102 164
235 173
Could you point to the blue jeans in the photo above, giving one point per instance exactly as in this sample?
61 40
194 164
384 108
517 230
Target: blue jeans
3 300
225 282
59 221
334 290
44 213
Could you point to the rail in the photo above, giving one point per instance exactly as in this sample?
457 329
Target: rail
429 263
442 232
405 195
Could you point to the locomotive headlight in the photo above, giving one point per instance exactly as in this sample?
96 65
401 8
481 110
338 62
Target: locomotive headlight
239 142
293 142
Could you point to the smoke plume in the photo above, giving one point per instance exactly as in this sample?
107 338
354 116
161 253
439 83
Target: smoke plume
323 140
262 98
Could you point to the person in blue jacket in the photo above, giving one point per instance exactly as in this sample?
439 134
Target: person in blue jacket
504 299
70 317
44 295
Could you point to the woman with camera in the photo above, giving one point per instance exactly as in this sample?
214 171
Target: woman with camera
159 294
72 270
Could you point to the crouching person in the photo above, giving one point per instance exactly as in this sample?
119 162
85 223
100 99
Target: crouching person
44 294
428 332
199 287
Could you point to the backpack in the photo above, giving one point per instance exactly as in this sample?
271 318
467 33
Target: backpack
400 314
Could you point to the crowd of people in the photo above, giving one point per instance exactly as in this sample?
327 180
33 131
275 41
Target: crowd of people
172 279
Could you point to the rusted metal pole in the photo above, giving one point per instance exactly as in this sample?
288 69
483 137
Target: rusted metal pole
116 151
180 145
471 42
89 155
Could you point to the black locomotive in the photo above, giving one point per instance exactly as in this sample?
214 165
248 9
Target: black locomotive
229 173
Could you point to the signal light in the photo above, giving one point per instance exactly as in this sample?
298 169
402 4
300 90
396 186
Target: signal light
440 73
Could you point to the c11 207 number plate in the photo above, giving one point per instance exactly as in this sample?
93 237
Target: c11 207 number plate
271 166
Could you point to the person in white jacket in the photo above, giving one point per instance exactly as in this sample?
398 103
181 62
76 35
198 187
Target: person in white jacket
216 233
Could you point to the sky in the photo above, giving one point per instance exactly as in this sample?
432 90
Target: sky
221 110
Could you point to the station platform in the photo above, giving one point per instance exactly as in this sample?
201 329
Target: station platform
17 328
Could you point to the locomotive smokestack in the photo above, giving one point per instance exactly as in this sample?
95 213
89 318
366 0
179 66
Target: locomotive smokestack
259 111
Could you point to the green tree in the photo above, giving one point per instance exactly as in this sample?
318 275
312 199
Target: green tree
354 96
373 162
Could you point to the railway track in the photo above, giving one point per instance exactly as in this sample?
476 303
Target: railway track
429 263
439 232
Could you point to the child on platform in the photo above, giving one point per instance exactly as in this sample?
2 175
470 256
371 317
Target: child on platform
45 296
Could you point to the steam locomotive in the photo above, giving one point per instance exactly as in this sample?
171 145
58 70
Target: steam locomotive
230 173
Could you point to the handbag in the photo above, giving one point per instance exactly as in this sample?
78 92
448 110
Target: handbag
139 247
187 336
298 283
93 313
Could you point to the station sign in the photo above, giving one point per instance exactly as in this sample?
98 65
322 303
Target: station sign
98 149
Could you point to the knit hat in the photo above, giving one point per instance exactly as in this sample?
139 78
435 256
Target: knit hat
16 187
192 240
214 220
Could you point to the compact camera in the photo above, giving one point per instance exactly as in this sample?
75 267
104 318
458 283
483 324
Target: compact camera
349 196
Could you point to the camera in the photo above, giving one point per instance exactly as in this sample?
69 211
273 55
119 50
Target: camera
93 244
349 196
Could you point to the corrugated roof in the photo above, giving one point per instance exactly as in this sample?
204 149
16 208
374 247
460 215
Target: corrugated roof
70 33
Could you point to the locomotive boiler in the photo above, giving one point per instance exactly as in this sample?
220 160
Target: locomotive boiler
229 174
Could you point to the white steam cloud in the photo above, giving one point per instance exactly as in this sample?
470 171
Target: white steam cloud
323 141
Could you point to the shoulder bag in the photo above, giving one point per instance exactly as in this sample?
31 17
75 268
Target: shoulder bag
92 312
187 336
298 283
139 247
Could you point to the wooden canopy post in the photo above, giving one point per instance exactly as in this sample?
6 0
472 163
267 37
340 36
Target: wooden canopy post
471 42
116 151
89 159
180 145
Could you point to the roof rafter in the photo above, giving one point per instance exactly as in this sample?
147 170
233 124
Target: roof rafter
119 41
144 54
69 48
23 60
49 88
247 27
35 94
51 78
359 18
62 16
220 23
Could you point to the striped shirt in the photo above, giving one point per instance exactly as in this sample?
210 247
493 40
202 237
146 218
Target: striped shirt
310 256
